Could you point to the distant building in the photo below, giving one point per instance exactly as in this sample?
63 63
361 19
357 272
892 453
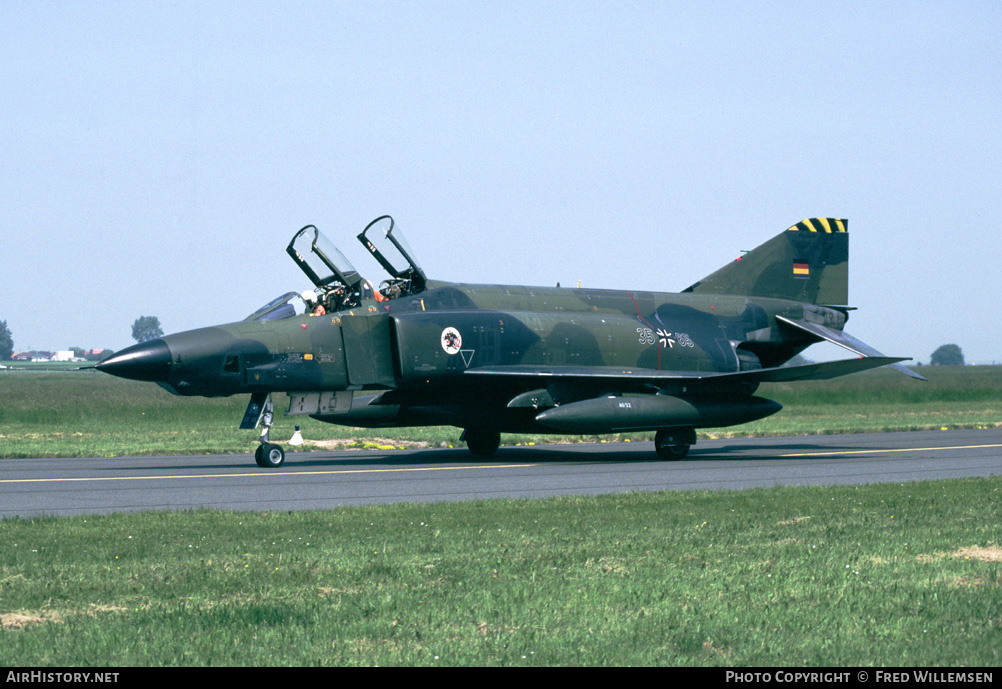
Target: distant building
33 356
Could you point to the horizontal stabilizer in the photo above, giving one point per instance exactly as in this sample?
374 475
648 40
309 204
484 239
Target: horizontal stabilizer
823 370
843 340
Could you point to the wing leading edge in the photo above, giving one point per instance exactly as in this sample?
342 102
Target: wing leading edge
633 377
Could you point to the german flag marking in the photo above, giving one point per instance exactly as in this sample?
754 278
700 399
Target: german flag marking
800 268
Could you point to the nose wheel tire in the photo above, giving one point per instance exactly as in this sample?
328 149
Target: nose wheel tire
269 455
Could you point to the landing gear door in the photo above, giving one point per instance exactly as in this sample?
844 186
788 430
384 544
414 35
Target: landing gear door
392 252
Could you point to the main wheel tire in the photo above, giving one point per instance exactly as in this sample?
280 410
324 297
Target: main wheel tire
667 446
482 443
269 455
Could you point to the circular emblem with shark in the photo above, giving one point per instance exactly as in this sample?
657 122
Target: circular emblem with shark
451 341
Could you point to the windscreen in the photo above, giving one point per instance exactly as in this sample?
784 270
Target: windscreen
286 306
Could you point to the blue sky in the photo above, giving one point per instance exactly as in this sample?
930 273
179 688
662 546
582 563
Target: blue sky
157 157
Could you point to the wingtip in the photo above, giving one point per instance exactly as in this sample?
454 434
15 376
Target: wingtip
901 368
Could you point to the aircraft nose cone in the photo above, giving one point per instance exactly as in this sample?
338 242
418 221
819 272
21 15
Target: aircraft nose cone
150 361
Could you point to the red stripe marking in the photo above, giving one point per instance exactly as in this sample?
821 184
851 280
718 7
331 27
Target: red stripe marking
637 307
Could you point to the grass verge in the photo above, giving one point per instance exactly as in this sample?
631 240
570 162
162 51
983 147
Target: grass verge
885 575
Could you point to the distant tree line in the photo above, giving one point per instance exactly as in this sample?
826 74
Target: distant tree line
947 355
146 328
7 347
6 342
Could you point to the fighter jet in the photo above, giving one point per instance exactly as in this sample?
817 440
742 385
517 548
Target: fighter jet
492 359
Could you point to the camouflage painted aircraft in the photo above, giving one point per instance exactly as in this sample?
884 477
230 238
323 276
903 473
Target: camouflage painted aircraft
493 358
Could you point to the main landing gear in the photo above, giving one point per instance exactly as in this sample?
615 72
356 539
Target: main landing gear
480 442
674 443
669 443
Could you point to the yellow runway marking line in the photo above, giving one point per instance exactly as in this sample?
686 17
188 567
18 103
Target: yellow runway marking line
896 449
162 477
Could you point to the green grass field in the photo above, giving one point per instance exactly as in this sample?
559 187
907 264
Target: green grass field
880 575
78 414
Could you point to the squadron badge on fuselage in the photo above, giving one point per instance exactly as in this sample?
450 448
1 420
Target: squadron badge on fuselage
452 341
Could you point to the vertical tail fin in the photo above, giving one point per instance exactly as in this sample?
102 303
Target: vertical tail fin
809 262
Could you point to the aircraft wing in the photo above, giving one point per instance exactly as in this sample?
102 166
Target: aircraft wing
649 377
843 340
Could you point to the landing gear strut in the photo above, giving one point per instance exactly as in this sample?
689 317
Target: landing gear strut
674 443
268 455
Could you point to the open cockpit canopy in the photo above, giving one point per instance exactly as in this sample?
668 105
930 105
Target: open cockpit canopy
338 285
394 255
322 262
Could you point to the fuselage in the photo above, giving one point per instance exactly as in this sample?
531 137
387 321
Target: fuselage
424 344
508 358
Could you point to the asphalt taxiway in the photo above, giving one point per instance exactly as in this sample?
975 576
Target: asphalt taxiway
322 480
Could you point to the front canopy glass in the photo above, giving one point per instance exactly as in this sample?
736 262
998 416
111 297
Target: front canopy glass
322 262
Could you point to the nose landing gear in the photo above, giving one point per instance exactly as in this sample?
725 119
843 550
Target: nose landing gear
269 455
261 411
